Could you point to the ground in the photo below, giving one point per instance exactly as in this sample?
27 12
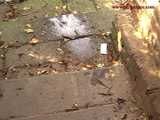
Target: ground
42 77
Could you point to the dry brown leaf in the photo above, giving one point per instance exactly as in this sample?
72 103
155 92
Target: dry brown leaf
89 66
27 8
60 50
57 7
28 30
84 68
64 7
28 25
100 65
34 41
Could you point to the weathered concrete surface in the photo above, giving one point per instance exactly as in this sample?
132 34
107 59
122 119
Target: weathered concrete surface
81 5
98 113
141 65
40 8
69 25
61 45
95 113
72 27
13 32
51 57
57 96
85 48
32 55
15 27
20 52
40 97
101 20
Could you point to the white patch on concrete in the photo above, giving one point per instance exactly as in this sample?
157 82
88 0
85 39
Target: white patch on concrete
83 48
68 25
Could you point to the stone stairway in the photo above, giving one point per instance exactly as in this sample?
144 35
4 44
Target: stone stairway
99 94
46 80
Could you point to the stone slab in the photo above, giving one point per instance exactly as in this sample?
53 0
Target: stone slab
104 112
95 113
40 95
32 55
61 27
13 29
82 6
56 93
13 32
101 20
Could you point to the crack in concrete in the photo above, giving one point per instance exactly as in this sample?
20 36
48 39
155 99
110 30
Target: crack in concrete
60 39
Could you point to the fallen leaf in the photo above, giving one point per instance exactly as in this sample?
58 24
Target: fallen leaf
98 7
89 66
53 60
75 12
60 50
28 25
64 7
100 65
42 72
84 68
103 33
26 8
54 71
57 7
29 30
2 56
75 106
34 41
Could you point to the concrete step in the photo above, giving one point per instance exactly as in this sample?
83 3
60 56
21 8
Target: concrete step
57 96
105 112
51 54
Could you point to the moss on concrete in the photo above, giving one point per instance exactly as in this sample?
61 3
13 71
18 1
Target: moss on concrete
82 6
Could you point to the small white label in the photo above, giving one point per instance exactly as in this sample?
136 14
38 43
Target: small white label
103 49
